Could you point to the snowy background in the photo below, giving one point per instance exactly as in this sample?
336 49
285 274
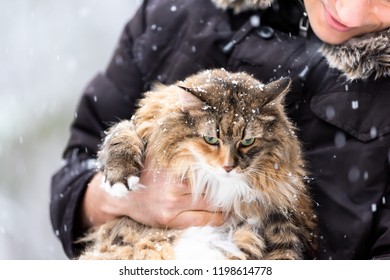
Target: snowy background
49 51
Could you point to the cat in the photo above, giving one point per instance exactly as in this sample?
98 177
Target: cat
228 136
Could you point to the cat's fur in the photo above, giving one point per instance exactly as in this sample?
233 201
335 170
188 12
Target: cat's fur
260 186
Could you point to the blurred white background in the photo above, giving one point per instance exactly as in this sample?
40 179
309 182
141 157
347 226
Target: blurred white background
49 51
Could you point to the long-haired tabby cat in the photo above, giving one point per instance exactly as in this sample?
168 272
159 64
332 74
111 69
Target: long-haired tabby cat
225 134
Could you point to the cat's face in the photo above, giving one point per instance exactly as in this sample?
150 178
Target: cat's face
228 145
237 126
236 119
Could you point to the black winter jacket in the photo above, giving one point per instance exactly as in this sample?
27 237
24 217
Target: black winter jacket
339 100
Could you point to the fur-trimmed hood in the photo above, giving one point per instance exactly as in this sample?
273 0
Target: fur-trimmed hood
357 58
361 57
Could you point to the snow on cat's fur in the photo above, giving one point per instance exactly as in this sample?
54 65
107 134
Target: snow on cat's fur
227 136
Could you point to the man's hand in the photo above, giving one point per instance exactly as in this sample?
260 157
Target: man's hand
159 203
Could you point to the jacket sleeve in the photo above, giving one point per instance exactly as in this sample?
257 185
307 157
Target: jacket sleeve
108 98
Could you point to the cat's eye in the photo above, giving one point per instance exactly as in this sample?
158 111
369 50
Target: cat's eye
211 140
247 142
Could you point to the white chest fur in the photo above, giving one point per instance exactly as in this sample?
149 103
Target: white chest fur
206 243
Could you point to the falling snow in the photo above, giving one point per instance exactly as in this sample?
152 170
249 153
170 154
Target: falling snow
365 175
255 20
340 140
353 174
119 60
330 112
373 132
355 104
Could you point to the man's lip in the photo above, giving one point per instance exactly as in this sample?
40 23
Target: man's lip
335 24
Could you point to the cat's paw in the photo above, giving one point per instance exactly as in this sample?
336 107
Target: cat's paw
126 175
119 189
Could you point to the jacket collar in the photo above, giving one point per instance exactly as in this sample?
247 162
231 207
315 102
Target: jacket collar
361 57
358 58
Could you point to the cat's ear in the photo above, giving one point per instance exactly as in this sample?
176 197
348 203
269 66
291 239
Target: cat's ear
188 99
277 90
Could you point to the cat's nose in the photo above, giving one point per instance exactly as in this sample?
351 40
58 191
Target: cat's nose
228 168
